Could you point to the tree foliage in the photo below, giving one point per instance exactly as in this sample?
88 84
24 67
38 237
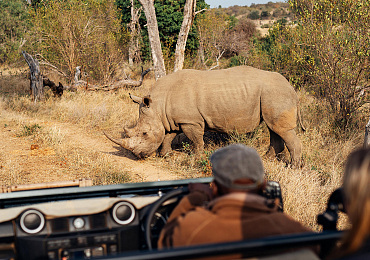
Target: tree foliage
83 33
170 14
332 49
212 29
13 27
221 35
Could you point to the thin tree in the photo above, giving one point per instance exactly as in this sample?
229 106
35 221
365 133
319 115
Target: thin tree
156 50
189 14
155 43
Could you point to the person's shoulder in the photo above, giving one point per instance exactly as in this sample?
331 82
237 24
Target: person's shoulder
287 222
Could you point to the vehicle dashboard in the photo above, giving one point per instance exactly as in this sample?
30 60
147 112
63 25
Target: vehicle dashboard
122 221
83 223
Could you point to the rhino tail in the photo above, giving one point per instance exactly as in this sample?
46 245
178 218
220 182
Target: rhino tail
300 120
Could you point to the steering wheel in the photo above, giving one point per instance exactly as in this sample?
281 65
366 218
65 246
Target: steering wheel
153 209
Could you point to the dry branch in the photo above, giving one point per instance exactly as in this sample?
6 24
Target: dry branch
367 135
122 83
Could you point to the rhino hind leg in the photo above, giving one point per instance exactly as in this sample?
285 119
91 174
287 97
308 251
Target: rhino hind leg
294 146
195 134
276 146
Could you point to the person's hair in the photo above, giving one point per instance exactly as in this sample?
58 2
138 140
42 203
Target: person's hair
356 187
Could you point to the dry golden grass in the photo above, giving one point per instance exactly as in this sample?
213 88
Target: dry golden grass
305 190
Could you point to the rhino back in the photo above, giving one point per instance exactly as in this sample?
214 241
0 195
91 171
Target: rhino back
222 100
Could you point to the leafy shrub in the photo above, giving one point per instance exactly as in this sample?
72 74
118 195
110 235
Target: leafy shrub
265 15
254 15
84 33
237 61
327 52
334 58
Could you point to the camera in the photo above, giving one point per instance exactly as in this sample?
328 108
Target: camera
272 192
335 204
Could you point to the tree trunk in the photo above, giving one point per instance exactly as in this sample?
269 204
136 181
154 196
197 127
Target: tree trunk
133 51
189 14
155 43
367 133
36 80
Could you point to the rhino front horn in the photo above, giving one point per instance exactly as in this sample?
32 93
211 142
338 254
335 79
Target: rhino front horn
122 143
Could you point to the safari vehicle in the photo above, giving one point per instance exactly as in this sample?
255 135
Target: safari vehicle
121 222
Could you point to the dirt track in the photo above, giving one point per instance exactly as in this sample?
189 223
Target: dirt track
24 161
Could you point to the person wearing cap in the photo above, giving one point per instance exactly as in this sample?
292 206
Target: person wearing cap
230 209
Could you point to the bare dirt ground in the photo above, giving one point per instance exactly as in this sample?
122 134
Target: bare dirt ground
24 161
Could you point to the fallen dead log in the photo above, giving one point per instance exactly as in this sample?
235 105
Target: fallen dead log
47 185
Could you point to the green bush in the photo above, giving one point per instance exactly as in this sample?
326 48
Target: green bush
237 61
254 15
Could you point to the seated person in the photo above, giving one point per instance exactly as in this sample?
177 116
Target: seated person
230 209
356 191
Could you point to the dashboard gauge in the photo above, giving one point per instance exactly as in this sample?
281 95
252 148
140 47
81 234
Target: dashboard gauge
78 223
32 221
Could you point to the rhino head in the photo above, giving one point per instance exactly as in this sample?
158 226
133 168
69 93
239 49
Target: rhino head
148 134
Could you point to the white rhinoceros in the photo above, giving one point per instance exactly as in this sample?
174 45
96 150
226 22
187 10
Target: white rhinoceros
235 99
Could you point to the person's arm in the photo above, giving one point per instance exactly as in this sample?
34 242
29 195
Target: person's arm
198 196
188 203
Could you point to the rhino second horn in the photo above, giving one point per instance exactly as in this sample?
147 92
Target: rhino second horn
127 131
136 99
122 143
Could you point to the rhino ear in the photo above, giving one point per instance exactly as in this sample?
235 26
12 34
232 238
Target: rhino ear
136 99
147 101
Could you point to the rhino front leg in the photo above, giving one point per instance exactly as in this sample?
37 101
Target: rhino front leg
195 134
166 144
